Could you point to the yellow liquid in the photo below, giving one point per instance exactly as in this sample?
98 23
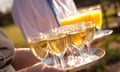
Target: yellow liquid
58 45
77 37
76 19
96 18
90 34
39 49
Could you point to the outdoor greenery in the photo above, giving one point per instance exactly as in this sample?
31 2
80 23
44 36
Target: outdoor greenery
112 54
15 35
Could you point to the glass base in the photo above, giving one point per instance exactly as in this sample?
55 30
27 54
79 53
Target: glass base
89 60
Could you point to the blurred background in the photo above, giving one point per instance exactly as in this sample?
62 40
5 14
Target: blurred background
111 20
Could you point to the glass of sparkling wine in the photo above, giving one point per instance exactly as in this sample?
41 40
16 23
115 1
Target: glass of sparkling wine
77 37
39 46
96 17
57 42
90 29
70 52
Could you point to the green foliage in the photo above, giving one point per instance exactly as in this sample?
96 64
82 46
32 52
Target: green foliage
15 35
109 39
112 56
98 67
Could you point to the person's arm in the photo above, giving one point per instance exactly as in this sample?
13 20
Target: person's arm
6 50
25 61
23 58
40 68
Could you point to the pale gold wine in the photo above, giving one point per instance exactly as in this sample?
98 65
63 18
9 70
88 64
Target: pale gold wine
90 34
77 37
58 44
39 48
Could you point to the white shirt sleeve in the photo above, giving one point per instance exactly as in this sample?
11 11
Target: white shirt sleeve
33 16
71 5
64 8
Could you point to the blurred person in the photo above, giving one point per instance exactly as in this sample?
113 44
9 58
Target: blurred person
6 53
34 16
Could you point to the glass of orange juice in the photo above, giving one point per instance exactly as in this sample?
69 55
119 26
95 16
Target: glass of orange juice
82 16
67 13
96 15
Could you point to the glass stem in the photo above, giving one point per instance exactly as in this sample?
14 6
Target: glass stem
88 48
71 49
71 56
81 50
56 63
42 61
62 62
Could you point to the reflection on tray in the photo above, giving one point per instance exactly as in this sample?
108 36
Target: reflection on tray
102 33
89 60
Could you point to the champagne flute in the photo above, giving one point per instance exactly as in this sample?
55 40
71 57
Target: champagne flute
57 42
90 29
96 16
39 46
77 37
70 50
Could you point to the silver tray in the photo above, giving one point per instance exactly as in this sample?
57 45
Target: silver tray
97 54
102 33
